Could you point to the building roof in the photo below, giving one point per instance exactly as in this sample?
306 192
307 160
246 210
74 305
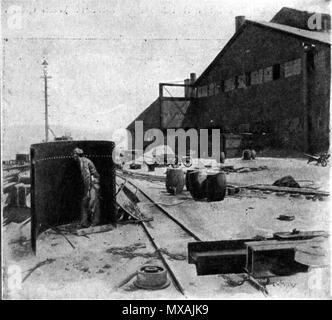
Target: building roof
299 19
322 37
150 116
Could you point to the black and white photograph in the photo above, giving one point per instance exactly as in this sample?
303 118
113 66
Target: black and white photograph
165 150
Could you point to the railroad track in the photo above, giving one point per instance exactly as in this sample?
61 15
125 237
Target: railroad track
156 234
165 229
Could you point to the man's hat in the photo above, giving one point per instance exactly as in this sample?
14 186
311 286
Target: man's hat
78 151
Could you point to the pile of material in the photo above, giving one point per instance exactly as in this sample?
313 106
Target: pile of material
287 181
231 169
127 202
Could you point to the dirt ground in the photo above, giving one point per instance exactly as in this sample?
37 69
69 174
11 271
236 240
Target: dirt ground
100 262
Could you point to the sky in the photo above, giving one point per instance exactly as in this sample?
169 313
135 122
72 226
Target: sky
107 57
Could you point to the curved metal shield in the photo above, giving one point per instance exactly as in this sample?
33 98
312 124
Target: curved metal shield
57 185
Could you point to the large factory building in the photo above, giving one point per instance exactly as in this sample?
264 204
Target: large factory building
270 81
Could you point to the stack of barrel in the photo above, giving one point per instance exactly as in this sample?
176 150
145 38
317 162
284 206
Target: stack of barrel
201 183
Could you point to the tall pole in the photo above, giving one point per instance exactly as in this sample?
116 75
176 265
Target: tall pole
305 101
45 64
46 108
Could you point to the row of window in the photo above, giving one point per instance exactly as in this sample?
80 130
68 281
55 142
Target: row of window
275 72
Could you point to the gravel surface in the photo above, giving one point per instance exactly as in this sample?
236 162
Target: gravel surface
101 261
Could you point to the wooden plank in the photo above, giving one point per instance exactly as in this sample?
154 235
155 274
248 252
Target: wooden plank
219 253
24 166
268 245
97 229
165 84
301 235
287 189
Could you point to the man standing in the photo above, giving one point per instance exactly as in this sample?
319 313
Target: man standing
90 206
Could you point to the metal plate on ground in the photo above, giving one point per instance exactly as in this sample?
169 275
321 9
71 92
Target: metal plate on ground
146 287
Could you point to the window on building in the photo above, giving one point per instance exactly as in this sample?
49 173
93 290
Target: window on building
241 81
204 91
229 84
211 89
257 77
267 74
216 88
195 92
276 71
199 92
292 68
244 128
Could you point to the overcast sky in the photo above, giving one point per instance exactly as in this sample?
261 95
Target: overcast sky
107 57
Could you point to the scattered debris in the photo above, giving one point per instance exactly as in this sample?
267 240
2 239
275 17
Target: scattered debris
232 189
128 202
227 168
231 169
135 166
15 214
287 181
233 280
305 191
296 195
254 282
173 256
100 271
126 280
58 231
321 159
285 217
38 265
129 251
96 229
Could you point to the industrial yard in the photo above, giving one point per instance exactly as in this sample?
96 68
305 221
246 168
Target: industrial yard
97 264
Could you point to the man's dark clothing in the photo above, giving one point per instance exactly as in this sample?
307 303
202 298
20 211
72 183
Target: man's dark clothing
91 188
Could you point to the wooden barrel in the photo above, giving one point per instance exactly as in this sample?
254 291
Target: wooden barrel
246 155
253 154
188 172
197 184
174 180
216 186
151 167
